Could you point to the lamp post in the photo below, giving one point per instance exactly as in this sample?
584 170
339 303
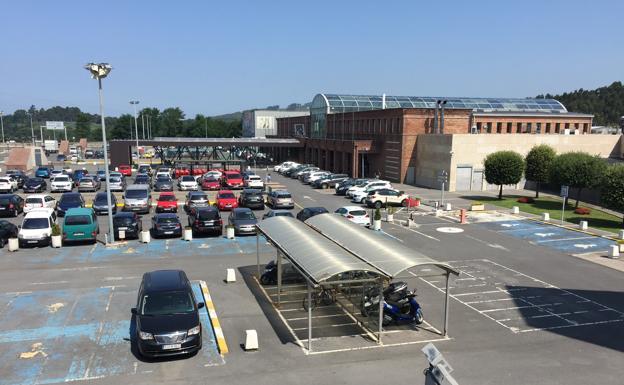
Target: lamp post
2 125
32 130
136 127
99 71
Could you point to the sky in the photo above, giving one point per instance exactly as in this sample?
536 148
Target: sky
215 57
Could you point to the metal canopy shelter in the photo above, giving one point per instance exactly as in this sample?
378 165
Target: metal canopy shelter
387 255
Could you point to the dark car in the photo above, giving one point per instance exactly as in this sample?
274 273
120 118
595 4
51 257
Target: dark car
7 230
167 315
19 175
163 183
78 175
11 205
329 181
144 169
251 198
35 185
243 220
61 158
69 200
128 222
289 274
142 179
166 224
196 199
100 203
342 187
206 220
309 212
101 174
277 213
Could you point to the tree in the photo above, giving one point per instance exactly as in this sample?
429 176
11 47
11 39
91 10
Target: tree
612 189
82 126
578 170
120 129
537 165
503 167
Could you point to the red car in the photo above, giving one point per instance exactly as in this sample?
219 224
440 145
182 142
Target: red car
167 202
210 183
232 179
125 170
226 200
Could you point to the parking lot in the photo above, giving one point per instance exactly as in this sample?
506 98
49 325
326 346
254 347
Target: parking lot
66 312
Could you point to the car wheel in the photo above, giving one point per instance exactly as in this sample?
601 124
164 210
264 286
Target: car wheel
404 203
2 243
378 205
362 200
15 213
324 186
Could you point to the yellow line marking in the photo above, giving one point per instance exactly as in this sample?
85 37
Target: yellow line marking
212 313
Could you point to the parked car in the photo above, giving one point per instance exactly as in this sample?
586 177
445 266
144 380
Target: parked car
302 171
101 174
163 182
226 200
167 315
386 196
7 184
54 173
210 183
366 185
88 154
355 214
125 170
289 274
206 220
187 182
254 181
195 199
166 224
314 176
280 199
309 212
7 230
142 179
251 198
329 181
167 202
359 196
89 183
283 166
278 213
80 224
19 175
287 167
43 172
137 198
78 175
61 158
145 169
69 200
244 221
232 180
37 201
11 205
61 183
100 203
130 223
34 185
342 187
36 228
117 183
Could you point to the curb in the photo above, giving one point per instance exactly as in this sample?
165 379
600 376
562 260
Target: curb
212 313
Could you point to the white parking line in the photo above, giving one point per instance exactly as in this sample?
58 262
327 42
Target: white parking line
563 239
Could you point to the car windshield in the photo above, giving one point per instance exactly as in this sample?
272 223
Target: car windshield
168 302
167 198
254 177
136 194
101 199
122 220
77 220
211 179
33 200
357 213
188 179
5 201
233 176
283 196
163 178
167 220
70 199
61 179
34 181
226 195
35 223
245 215
115 180
199 198
283 214
208 214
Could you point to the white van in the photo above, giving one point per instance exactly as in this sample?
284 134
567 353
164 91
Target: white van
36 228
137 198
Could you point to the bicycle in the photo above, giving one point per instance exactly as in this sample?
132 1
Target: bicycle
323 297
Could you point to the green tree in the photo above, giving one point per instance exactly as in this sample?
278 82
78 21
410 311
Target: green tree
578 170
171 123
120 129
612 189
503 167
82 129
537 165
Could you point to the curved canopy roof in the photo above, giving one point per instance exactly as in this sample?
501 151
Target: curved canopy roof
318 257
346 103
382 252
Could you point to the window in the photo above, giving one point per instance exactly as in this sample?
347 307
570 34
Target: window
488 127
585 128
567 125
528 128
538 128
479 127
557 128
518 128
509 127
499 127
548 128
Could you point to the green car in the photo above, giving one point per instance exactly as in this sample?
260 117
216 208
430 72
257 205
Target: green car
80 224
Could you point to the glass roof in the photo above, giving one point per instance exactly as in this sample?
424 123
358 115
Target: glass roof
347 103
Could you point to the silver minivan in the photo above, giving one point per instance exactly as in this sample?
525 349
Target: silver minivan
137 198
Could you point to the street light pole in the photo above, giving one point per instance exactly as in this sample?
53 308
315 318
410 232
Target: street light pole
2 125
136 127
142 125
32 130
100 71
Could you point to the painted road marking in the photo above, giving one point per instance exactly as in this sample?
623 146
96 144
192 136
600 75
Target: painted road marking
223 348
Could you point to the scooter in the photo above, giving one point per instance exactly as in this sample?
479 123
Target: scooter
399 306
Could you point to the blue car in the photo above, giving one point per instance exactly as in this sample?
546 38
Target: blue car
102 175
69 200
43 172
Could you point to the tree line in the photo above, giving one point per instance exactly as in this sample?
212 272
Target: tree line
578 170
168 122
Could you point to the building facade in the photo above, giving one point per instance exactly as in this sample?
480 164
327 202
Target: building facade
263 123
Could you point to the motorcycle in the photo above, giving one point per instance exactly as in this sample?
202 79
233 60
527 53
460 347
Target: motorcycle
399 306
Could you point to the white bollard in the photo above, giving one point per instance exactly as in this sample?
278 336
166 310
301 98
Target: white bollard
251 339
188 234
583 225
621 234
515 210
230 276
13 244
545 217
448 207
230 232
377 225
614 252
145 237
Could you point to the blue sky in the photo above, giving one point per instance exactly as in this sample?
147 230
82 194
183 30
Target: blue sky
217 57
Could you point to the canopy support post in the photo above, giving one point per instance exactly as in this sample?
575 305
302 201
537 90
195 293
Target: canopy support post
309 318
279 278
258 252
446 304
381 308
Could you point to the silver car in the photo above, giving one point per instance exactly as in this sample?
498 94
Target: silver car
117 183
280 199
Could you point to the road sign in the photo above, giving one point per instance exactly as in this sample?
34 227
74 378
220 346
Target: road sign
443 176
564 191
50 125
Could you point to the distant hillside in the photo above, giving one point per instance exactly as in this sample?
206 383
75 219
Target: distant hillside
239 115
605 103
229 117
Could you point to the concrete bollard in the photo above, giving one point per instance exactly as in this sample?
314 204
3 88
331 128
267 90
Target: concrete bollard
545 217
13 244
448 207
583 225
438 213
621 234
145 237
230 276
251 339
515 210
614 252
188 234
229 232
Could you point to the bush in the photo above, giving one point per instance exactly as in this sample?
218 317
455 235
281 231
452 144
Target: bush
582 211
56 230
477 203
377 216
391 210
525 200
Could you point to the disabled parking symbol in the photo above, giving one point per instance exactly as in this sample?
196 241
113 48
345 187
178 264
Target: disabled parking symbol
585 246
544 235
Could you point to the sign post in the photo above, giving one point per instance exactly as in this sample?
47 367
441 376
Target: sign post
442 178
564 195
52 125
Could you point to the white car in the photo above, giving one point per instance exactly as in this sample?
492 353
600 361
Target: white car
355 214
254 181
367 185
212 174
188 182
68 170
37 201
282 165
61 183
288 166
55 173
8 184
36 228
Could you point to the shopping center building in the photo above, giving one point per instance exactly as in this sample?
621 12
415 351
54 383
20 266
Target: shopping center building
413 139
